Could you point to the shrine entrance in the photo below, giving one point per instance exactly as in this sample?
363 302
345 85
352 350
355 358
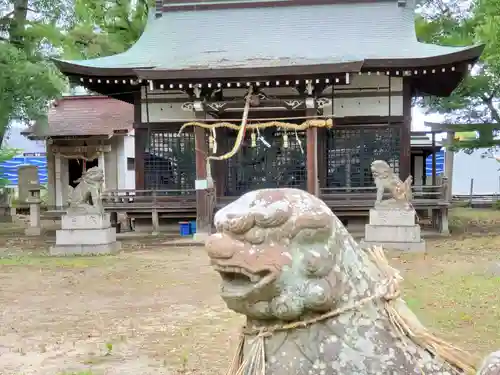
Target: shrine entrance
76 168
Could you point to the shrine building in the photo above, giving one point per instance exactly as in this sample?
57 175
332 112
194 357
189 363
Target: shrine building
352 65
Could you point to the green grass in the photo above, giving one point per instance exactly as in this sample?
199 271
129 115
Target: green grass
56 262
470 220
454 291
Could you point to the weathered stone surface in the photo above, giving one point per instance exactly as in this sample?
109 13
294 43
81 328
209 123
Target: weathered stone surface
391 216
86 221
381 233
86 196
85 234
393 228
284 257
102 249
386 180
33 231
491 365
403 246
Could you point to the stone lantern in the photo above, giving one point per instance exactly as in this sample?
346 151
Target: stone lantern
34 201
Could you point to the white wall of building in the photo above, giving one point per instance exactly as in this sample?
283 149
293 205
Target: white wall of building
484 171
366 95
125 160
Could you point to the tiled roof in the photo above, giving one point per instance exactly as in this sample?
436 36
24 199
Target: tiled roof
276 37
85 115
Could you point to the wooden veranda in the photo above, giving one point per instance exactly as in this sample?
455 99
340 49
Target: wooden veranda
345 202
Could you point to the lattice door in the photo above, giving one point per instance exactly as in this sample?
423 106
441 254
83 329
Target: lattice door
169 162
267 167
350 152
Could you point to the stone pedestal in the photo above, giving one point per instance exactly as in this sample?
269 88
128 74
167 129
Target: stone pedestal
393 228
35 228
85 234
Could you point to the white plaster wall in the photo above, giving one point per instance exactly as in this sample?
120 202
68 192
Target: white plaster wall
51 179
110 165
125 149
121 162
129 149
368 96
484 171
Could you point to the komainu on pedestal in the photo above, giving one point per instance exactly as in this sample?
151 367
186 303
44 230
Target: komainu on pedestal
315 301
392 221
86 228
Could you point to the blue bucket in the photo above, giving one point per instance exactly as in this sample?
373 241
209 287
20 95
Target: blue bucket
184 228
192 225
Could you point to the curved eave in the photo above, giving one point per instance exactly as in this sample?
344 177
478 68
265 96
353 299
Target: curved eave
464 55
72 68
421 84
249 72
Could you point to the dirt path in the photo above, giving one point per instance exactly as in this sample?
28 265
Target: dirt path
156 312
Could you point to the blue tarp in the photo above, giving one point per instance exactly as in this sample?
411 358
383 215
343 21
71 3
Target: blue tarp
439 164
8 169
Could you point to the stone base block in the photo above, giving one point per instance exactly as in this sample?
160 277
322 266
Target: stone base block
201 236
85 236
68 250
392 216
382 233
404 246
86 221
33 231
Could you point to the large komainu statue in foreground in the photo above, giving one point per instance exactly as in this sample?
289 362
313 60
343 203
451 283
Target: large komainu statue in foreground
386 180
86 196
316 303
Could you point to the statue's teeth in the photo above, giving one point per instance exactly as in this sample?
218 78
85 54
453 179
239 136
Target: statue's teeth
254 278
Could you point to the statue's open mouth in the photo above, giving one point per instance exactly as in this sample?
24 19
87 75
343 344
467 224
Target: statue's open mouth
238 282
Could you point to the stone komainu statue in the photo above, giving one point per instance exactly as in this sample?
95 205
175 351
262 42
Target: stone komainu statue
315 301
86 196
386 180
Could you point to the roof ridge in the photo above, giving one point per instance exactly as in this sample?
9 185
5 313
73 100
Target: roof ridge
163 6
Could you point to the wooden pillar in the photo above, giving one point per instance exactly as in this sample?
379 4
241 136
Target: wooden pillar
220 168
201 152
405 150
58 180
312 151
322 134
140 142
448 165
102 164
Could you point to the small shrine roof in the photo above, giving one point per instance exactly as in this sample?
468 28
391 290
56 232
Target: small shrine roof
84 115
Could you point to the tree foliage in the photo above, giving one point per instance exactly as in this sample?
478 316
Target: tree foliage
27 80
462 23
103 27
32 31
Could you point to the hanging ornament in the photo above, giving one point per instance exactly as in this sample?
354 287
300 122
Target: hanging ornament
214 145
261 138
211 143
253 139
285 140
299 142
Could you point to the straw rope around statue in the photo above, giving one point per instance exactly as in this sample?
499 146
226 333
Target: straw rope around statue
404 326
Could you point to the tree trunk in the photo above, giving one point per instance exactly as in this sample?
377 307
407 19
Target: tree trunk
494 112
